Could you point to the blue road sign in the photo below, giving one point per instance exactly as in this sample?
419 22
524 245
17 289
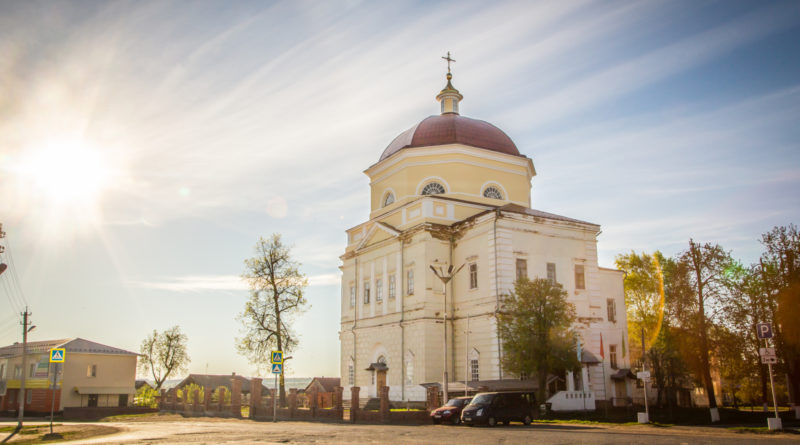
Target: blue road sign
764 330
276 357
276 368
57 355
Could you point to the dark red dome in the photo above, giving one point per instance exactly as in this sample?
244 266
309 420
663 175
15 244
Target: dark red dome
452 128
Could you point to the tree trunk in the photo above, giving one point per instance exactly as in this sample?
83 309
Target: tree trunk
712 400
542 384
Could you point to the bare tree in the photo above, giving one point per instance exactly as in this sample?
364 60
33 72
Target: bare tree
164 354
276 296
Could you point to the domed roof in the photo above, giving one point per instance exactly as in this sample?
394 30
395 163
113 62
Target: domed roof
452 128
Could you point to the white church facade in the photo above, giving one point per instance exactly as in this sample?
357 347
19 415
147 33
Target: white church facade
450 191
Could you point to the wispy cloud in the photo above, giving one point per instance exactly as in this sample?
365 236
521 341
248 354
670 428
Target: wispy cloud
206 283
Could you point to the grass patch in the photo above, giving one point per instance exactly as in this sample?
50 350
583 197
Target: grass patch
752 429
595 422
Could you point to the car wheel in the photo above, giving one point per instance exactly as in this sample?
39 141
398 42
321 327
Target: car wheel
527 420
491 421
456 420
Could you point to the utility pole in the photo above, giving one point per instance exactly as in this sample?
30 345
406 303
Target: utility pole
25 331
466 357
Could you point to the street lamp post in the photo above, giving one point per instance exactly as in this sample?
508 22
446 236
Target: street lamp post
445 278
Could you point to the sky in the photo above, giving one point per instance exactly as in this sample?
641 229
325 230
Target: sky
146 146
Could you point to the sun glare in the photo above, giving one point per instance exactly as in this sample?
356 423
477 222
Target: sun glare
67 173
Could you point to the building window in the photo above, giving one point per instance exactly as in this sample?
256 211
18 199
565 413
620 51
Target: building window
410 281
366 292
522 268
474 370
551 272
91 371
391 287
523 376
352 296
389 199
17 371
378 290
434 188
612 310
473 276
492 192
32 370
612 354
2 371
351 374
580 282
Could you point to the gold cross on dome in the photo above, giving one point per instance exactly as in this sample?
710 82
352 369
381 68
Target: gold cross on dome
448 59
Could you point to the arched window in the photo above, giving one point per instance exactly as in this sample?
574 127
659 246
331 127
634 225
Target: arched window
434 188
474 365
409 367
389 199
492 192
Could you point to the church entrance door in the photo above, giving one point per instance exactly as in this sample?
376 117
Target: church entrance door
380 381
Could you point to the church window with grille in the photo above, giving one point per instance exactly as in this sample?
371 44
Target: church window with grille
366 292
580 280
522 268
378 290
351 374
612 354
434 188
352 296
492 192
612 310
473 276
551 272
474 370
391 287
410 281
389 199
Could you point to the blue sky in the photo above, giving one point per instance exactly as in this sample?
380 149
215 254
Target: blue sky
215 123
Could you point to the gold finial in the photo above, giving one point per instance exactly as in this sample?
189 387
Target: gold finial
448 59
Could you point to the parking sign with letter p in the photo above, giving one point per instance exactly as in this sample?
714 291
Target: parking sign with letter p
764 330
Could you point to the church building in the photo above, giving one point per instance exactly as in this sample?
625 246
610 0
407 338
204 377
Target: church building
454 191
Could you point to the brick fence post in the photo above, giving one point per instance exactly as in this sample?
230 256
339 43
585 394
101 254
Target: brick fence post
236 397
292 402
207 398
337 402
255 397
196 404
221 400
354 390
384 413
312 401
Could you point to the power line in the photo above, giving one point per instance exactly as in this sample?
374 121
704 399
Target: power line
14 274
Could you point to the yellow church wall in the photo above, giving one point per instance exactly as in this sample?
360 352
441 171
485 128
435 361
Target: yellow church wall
463 175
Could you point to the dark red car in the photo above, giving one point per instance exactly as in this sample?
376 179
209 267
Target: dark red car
451 411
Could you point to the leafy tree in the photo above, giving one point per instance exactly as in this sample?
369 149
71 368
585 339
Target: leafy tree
146 397
780 266
276 296
706 265
536 327
187 393
644 297
164 354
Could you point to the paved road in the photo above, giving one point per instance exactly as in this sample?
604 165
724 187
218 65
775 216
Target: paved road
223 431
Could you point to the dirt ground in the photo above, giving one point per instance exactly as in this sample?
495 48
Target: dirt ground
174 429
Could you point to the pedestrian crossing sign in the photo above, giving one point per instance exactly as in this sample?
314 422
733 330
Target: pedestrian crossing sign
276 357
276 368
57 355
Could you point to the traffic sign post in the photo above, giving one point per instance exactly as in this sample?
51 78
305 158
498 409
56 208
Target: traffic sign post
276 360
768 356
57 355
